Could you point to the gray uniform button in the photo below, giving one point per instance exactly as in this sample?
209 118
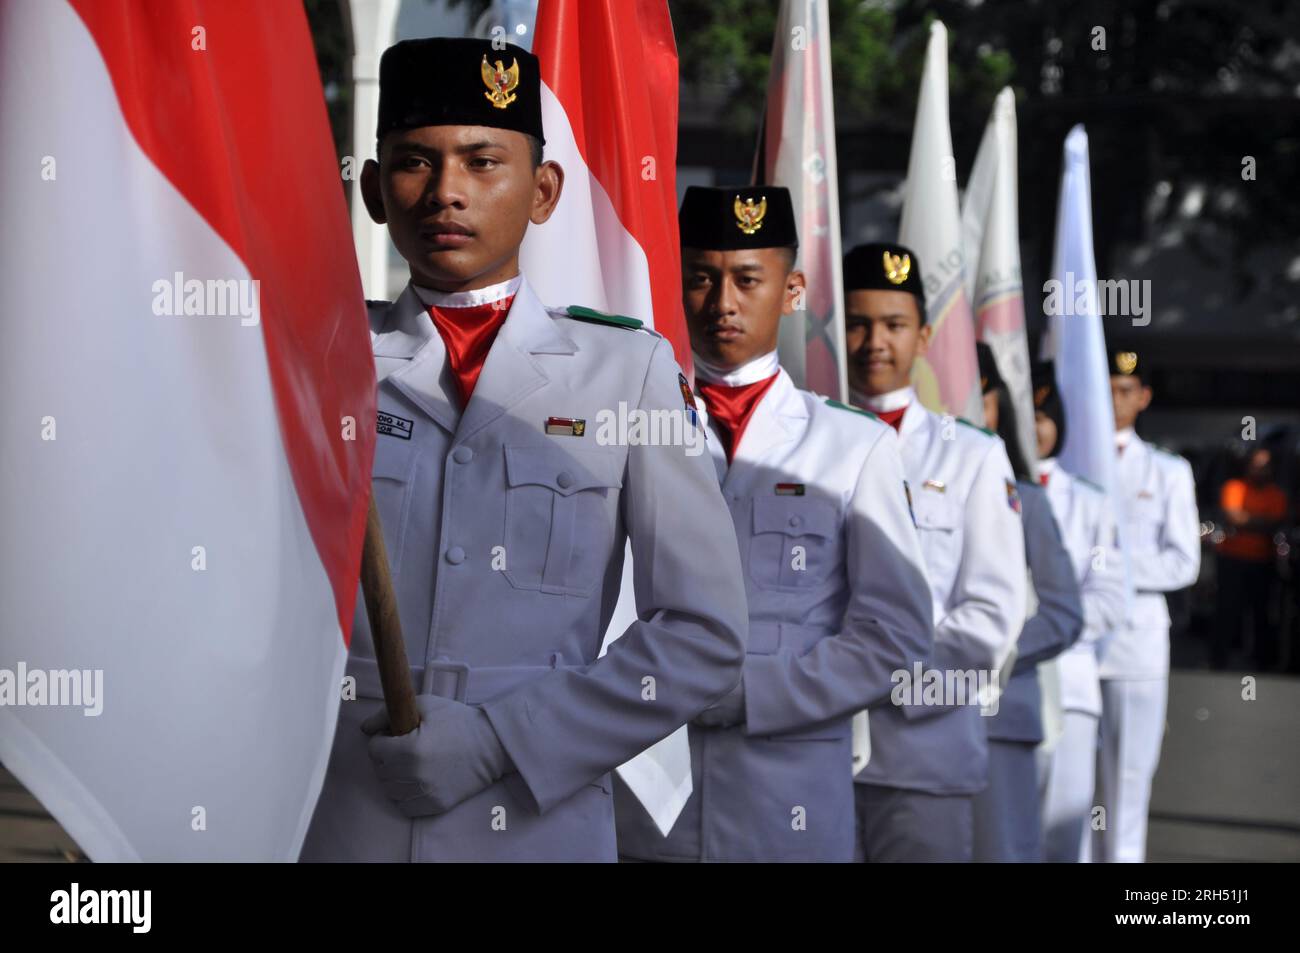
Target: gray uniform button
455 555
565 479
462 455
796 520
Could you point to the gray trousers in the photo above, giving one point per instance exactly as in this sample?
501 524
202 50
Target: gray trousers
900 826
1007 822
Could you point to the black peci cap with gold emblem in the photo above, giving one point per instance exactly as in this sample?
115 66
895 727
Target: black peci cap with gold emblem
454 81
882 266
1123 362
752 216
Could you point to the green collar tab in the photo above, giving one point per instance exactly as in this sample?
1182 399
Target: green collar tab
600 317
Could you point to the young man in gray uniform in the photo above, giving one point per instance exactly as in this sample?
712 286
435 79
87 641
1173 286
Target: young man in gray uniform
1008 823
927 761
505 516
838 600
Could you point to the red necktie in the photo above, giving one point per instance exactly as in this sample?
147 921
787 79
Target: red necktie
1043 478
732 407
468 334
892 417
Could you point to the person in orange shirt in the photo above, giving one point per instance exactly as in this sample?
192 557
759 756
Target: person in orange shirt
1254 508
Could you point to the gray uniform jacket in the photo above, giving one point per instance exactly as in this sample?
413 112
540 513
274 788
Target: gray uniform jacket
838 602
506 538
1053 628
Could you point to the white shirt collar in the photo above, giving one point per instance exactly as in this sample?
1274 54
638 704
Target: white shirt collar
1124 437
759 369
884 403
1047 466
468 299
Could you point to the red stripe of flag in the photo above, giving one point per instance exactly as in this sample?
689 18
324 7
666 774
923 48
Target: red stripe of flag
240 129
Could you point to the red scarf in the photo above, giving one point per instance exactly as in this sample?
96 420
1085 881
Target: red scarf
732 407
468 334
892 417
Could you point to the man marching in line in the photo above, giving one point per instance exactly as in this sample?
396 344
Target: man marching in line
1160 530
838 600
505 518
914 797
1008 824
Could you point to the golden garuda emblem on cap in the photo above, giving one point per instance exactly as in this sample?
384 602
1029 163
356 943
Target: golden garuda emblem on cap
500 82
1126 362
897 269
749 217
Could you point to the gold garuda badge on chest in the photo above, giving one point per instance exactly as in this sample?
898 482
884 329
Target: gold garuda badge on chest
897 269
749 217
500 82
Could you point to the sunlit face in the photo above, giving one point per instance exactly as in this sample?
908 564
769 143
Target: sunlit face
734 301
1130 398
457 201
883 335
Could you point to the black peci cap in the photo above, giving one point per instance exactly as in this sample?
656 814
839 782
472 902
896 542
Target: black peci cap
884 267
452 81
751 216
1124 363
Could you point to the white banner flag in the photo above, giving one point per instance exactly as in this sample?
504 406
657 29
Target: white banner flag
991 242
947 378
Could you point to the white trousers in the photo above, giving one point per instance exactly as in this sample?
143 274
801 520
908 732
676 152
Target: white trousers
1068 781
1132 730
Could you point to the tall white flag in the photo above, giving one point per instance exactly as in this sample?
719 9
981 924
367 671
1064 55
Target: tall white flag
1075 338
797 150
947 378
991 241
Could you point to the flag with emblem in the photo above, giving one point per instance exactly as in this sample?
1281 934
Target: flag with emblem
947 377
796 149
612 242
187 428
991 245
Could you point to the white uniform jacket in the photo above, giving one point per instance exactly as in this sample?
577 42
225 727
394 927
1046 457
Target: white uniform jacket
838 602
1161 534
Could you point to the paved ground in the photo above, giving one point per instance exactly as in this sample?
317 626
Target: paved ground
1228 788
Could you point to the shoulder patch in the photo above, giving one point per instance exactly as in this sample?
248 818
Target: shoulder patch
974 426
1165 450
592 316
830 402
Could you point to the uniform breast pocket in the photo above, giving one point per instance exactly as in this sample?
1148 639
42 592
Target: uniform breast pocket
939 526
560 515
391 482
1148 513
795 542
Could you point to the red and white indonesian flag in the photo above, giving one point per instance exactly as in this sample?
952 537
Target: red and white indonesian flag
991 241
187 424
797 150
947 378
609 111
